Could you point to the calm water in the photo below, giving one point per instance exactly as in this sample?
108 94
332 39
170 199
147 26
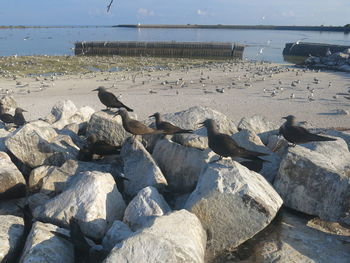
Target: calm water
262 44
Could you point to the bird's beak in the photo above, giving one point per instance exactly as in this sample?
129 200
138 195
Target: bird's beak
284 118
24 110
200 124
151 116
95 89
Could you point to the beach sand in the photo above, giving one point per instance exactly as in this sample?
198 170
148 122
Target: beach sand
246 97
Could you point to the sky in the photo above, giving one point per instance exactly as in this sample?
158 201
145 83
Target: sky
230 12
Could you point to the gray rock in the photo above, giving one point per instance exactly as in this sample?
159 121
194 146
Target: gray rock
117 233
42 246
181 165
62 109
233 204
11 231
3 137
12 183
53 179
146 205
250 141
199 141
140 169
108 128
34 146
174 238
90 197
316 180
260 125
12 206
291 239
36 200
8 103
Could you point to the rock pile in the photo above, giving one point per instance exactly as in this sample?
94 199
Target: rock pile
163 199
336 61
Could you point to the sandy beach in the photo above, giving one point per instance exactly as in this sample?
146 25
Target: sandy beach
248 89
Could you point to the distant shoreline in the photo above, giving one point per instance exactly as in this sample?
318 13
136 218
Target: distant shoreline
345 29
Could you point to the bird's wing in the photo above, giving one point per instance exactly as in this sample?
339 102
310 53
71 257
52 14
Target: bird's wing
134 124
110 97
167 126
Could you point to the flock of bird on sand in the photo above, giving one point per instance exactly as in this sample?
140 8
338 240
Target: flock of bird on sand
222 144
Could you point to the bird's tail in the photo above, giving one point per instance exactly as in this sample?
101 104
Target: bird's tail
128 109
254 156
184 131
315 137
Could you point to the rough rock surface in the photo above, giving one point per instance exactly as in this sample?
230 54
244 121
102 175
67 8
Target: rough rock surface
147 204
42 246
8 103
140 169
117 233
316 180
233 204
108 128
3 137
12 183
181 165
290 239
174 238
90 197
260 125
36 145
11 231
53 179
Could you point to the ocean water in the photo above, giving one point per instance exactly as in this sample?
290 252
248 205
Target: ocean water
260 44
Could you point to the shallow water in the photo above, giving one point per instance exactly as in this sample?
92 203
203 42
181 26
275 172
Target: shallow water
261 44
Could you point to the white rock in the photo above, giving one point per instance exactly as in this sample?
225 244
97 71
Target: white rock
117 233
11 231
3 137
146 205
174 238
62 109
108 128
181 165
90 197
80 116
34 146
140 169
12 182
233 204
42 246
8 103
260 125
316 181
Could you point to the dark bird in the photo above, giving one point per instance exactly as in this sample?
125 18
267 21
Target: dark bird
101 147
85 154
5 117
255 165
83 251
225 146
109 99
298 135
135 127
167 127
19 119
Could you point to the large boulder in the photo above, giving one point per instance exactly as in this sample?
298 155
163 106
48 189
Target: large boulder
36 145
12 182
140 169
62 110
11 231
233 204
90 197
8 103
316 180
181 165
291 238
107 127
50 179
147 204
260 125
43 246
177 237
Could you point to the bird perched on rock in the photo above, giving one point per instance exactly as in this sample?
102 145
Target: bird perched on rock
135 127
167 127
225 146
298 135
101 147
109 99
18 118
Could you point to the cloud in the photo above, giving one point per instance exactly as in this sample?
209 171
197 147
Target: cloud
145 12
201 12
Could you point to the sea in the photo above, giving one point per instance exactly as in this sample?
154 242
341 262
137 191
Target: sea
261 45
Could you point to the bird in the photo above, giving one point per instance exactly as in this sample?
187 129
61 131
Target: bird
299 135
110 100
101 147
255 165
135 127
5 117
223 145
18 118
167 127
